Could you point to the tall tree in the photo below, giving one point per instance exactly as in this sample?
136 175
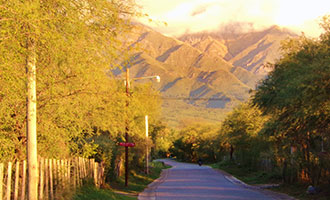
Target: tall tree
240 132
70 44
296 94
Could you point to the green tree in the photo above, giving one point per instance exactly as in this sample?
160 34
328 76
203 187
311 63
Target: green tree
81 108
196 142
73 44
296 95
69 45
239 133
162 138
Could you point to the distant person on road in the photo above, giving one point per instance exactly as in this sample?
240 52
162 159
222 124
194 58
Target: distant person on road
200 162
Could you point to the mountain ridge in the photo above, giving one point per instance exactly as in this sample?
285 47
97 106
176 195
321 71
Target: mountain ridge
203 73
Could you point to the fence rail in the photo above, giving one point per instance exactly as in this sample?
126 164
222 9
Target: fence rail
54 177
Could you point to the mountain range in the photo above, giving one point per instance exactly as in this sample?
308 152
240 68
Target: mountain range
203 75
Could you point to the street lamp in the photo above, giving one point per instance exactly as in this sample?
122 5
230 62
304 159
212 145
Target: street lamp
147 77
127 83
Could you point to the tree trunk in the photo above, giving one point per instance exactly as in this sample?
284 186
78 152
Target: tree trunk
31 113
231 152
284 172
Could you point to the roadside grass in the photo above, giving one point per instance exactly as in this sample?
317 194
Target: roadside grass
138 181
90 192
248 175
116 190
299 191
254 177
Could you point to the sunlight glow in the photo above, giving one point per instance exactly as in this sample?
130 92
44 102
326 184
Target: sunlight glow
209 15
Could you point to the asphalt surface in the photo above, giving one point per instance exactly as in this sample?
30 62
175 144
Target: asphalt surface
190 181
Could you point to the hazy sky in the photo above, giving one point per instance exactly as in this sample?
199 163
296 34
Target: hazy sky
208 15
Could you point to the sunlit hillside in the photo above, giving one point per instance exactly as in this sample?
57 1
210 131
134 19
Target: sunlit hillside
203 75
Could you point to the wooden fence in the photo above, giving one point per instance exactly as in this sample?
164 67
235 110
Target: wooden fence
55 176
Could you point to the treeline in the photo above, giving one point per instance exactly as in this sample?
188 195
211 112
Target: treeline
284 127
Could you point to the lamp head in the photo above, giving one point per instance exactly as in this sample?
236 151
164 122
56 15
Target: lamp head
158 78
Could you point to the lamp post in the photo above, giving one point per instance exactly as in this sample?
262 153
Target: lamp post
127 129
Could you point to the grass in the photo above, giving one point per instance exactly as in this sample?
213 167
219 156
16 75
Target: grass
254 177
299 191
248 175
137 182
117 190
90 192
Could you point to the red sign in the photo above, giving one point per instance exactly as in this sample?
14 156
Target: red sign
128 144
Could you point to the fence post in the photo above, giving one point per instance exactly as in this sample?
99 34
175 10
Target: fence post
102 178
91 167
84 169
55 173
8 193
80 170
62 173
51 179
65 173
16 181
1 181
46 179
80 175
58 176
77 171
95 174
68 171
74 164
41 186
23 188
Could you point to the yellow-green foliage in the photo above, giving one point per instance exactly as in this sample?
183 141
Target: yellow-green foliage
162 138
194 142
240 135
73 43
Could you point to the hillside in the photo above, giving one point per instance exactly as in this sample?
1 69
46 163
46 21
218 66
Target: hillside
203 75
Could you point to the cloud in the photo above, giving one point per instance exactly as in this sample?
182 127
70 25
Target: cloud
211 15
198 11
201 8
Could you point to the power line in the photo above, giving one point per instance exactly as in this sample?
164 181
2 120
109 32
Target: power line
193 98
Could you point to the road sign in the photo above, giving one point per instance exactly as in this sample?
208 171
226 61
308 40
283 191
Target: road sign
128 144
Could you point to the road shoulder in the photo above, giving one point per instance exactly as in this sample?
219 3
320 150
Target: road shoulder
149 193
274 195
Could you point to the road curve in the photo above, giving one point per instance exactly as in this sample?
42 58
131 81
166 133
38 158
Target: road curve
190 181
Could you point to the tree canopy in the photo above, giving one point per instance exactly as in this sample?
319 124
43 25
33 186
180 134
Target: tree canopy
296 95
74 44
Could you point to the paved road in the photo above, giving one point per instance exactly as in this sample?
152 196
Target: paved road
190 181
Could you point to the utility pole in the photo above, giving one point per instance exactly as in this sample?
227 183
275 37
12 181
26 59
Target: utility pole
127 144
147 154
126 130
31 128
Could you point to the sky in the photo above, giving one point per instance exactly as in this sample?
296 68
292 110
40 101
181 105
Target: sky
191 16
